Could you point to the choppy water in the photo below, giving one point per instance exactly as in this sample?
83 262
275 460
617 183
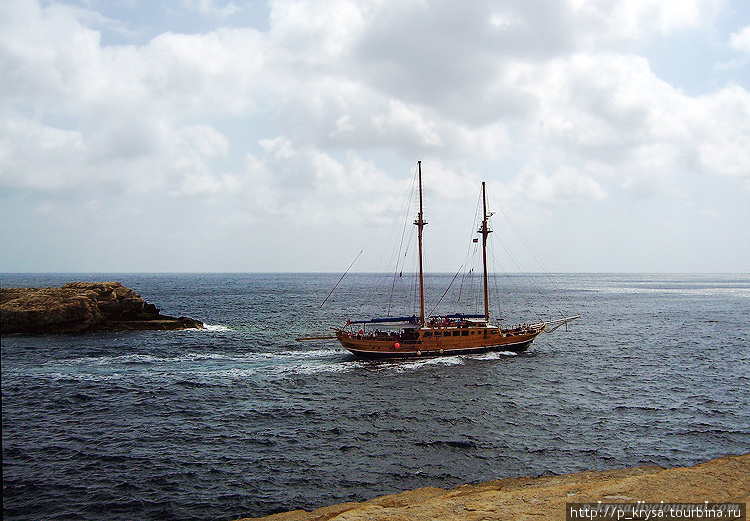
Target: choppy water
240 420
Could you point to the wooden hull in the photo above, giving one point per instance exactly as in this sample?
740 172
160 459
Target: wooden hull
427 344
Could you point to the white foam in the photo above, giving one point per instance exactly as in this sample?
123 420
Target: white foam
310 368
233 372
494 355
145 359
416 364
214 328
205 366
122 359
84 377
313 353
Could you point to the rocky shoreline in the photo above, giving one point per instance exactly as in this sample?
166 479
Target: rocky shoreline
80 307
722 480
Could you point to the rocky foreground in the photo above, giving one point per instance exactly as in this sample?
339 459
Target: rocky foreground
82 307
721 480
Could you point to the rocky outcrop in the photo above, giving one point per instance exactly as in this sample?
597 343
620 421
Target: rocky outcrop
722 480
82 306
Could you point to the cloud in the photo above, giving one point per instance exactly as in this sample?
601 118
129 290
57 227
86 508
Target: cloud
201 75
606 21
721 131
212 7
564 186
77 113
455 58
611 116
288 180
554 100
38 157
740 40
350 75
461 94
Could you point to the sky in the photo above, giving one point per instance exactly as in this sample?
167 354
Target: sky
230 136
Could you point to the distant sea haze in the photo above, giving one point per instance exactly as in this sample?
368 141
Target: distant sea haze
240 420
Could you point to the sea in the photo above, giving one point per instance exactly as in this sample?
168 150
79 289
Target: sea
241 420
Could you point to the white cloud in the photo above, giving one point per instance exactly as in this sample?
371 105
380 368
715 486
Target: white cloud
203 75
740 40
77 113
310 33
609 113
564 186
39 157
322 65
304 181
608 20
721 132
212 7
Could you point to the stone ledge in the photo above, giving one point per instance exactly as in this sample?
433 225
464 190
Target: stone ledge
720 480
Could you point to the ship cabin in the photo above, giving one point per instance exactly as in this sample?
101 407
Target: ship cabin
408 330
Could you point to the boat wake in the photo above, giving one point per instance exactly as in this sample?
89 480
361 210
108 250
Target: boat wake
411 365
199 366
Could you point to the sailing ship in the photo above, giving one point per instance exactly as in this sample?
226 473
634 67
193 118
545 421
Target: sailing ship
444 335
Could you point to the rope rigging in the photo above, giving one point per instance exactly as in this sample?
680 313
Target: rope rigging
461 290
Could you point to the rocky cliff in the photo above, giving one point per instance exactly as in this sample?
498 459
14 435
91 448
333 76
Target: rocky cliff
722 480
82 306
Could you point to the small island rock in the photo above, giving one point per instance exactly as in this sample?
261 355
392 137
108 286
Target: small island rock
82 307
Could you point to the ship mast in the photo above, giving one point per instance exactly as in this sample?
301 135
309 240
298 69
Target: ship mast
420 222
485 231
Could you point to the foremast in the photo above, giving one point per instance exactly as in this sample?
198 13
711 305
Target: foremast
484 230
420 222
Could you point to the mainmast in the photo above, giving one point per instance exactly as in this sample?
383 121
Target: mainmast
420 222
485 231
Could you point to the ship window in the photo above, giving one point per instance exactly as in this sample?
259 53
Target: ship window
428 334
464 333
456 333
473 332
493 332
438 333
